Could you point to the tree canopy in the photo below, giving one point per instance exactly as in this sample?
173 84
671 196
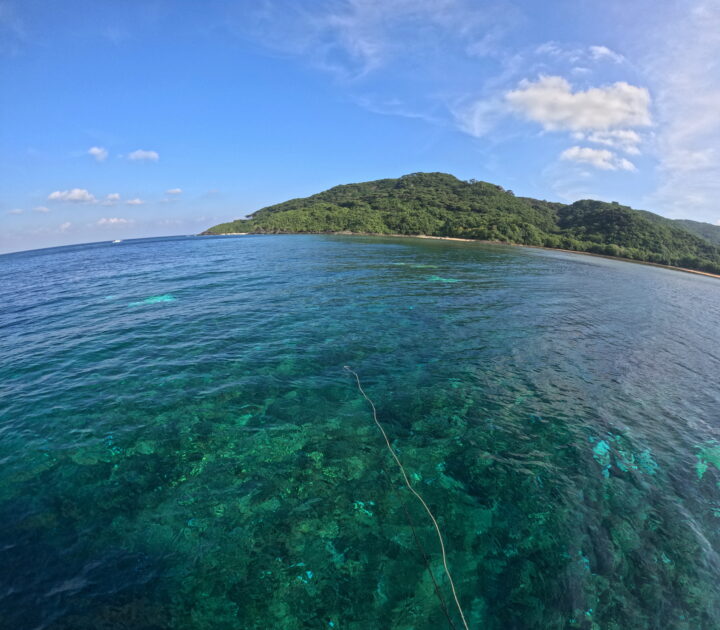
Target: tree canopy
438 204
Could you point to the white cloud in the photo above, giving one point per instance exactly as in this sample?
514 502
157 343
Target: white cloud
76 195
64 227
625 164
99 153
625 140
551 102
41 209
174 191
110 199
16 211
599 158
142 155
114 221
134 202
603 52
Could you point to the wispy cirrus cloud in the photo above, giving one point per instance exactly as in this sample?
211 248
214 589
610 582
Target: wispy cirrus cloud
353 38
479 117
683 62
603 52
578 54
13 33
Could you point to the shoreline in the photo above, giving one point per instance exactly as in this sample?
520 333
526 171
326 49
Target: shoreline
476 240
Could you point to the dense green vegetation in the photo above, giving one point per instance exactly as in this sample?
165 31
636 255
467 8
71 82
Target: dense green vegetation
704 230
437 204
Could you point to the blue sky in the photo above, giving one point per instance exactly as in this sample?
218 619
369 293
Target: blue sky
141 118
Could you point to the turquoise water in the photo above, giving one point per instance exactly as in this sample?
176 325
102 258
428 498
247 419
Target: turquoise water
180 446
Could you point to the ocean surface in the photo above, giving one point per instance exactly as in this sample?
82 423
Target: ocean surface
180 446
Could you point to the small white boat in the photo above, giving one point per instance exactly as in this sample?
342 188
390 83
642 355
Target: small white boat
117 241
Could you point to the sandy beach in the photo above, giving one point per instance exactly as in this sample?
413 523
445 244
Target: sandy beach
474 240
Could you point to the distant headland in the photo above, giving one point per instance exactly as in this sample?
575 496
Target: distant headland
440 205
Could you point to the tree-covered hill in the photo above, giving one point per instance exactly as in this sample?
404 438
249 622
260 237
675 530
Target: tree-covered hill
704 230
707 231
437 204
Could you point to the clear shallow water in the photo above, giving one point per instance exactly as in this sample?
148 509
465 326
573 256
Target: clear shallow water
181 448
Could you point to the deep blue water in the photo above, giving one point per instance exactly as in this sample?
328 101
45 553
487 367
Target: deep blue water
180 446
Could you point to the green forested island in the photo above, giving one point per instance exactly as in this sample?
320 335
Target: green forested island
438 204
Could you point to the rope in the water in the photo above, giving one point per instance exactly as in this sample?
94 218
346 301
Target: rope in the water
417 495
421 549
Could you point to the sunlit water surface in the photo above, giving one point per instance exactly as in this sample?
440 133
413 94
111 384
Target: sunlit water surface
180 446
